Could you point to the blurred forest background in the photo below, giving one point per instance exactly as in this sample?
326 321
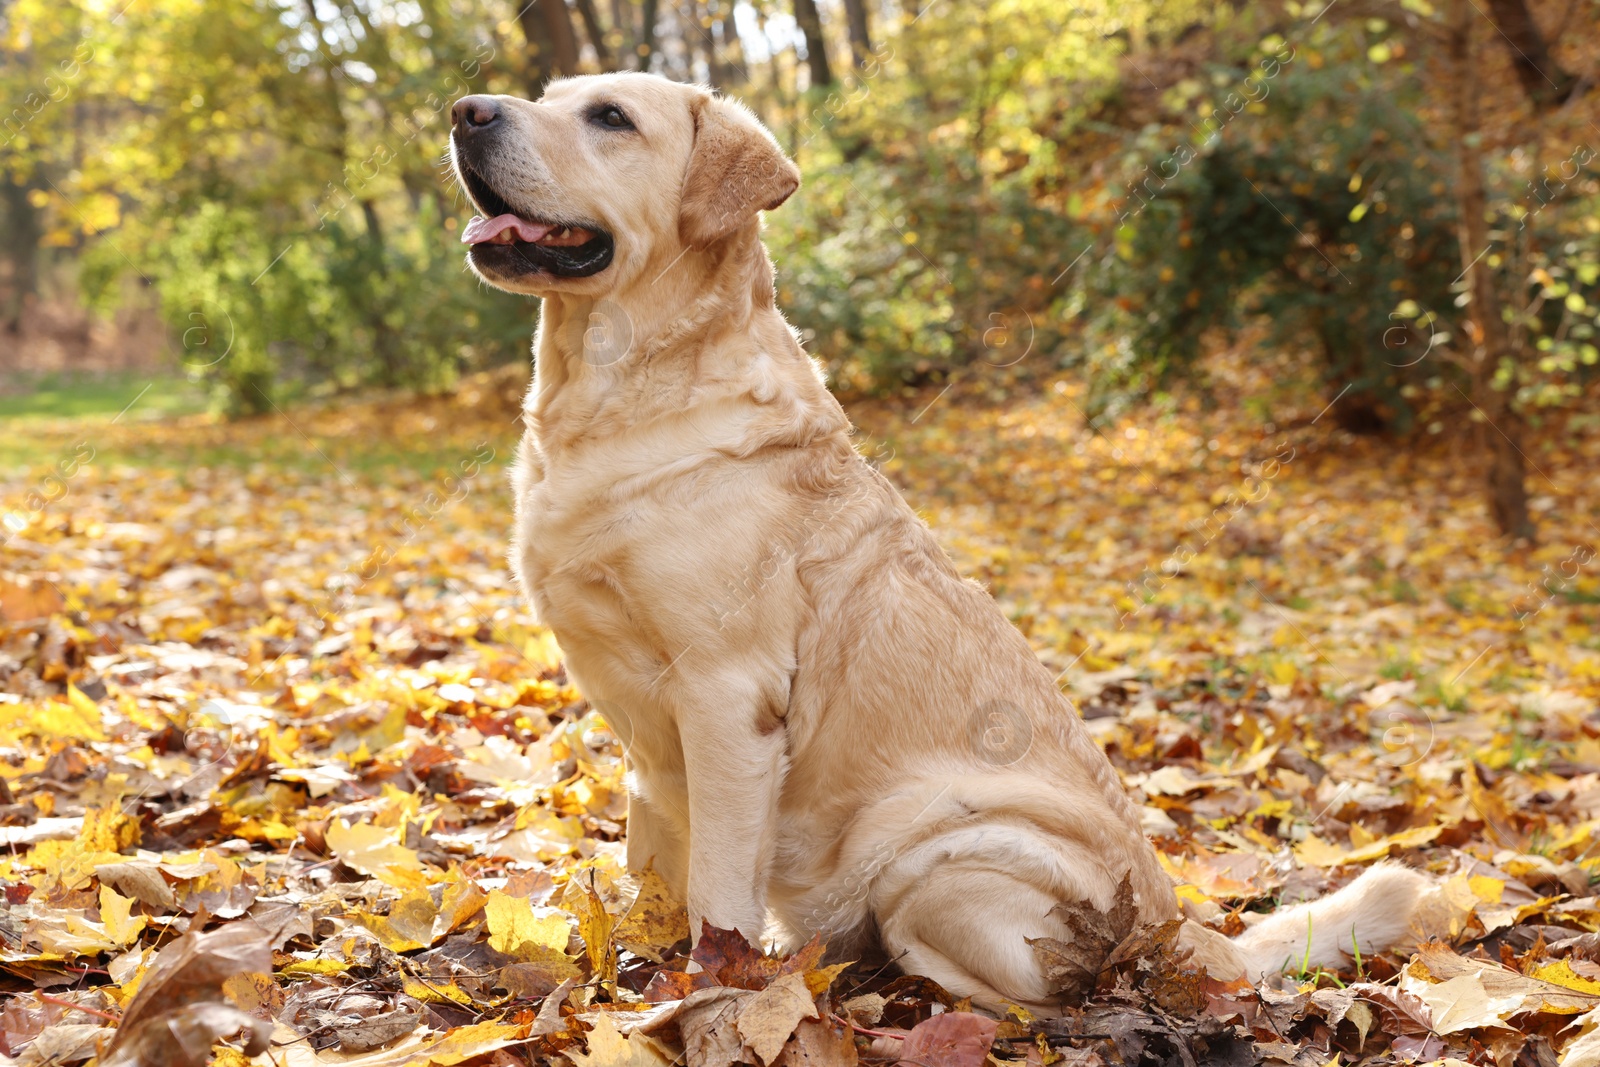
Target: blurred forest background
1390 203
1245 352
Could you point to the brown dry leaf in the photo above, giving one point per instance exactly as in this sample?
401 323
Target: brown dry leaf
376 1031
819 1043
769 1018
549 1019
181 1009
1585 1050
708 1020
140 879
1463 1003
65 1043
1498 820
1073 967
728 959
422 1048
182 1037
1442 977
23 598
541 977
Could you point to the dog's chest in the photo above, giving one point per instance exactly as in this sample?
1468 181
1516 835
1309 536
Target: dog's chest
633 575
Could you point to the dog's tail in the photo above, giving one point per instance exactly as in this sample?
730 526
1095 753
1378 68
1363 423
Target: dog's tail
1375 913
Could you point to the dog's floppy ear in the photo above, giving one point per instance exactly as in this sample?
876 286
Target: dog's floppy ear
735 169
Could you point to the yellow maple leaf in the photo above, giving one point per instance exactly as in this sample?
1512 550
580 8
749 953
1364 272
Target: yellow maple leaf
1561 973
108 830
116 917
374 851
1486 888
1319 853
432 992
594 926
409 924
608 1048
656 921
515 930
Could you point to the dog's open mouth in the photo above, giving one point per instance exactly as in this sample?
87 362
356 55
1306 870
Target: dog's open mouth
507 245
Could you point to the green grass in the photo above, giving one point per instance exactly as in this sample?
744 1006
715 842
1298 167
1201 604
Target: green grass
285 451
76 397
48 423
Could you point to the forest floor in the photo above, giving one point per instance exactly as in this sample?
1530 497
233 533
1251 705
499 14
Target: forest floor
284 756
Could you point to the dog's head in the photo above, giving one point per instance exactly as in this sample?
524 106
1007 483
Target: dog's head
606 176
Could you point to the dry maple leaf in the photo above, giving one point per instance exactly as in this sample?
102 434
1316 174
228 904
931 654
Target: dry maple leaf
708 1022
1073 967
770 1017
731 960
180 1010
819 1043
608 1048
655 922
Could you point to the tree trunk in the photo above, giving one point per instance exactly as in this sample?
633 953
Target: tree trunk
805 13
647 34
730 48
391 368
552 45
541 53
1542 78
558 22
1507 489
24 230
855 13
699 36
622 22
713 38
596 34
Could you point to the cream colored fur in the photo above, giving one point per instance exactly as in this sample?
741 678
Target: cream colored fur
828 729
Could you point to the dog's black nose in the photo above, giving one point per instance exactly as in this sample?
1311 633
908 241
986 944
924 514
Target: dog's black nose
474 113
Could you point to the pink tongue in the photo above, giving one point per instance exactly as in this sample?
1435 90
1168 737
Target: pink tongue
481 230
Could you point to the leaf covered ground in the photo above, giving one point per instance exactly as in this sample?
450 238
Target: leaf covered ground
286 762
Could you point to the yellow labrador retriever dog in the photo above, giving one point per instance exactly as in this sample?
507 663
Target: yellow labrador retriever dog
828 729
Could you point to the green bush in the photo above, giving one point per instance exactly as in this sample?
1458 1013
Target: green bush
1318 210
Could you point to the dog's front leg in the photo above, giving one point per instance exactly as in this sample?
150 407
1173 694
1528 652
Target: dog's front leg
655 839
735 763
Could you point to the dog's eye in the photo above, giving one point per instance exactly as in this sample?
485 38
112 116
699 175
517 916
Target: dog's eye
611 117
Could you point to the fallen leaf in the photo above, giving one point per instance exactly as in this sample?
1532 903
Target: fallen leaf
655 922
372 850
769 1018
608 1048
951 1039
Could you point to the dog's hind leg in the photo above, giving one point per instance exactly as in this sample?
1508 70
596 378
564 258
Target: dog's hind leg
967 929
961 907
